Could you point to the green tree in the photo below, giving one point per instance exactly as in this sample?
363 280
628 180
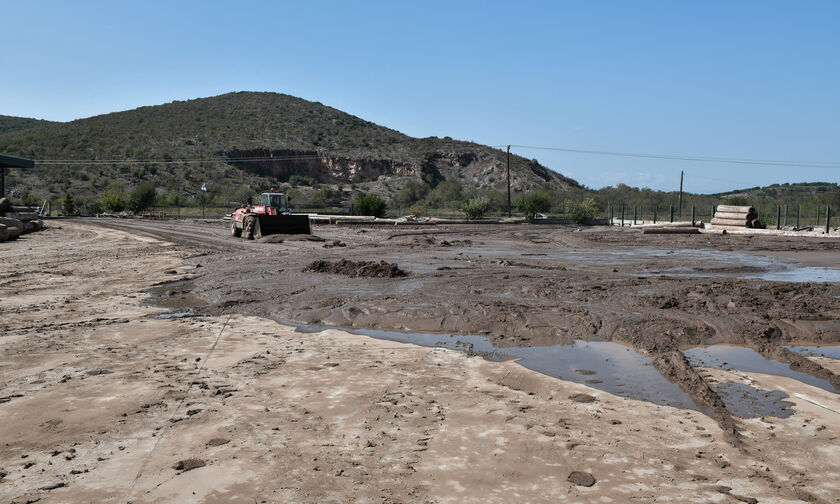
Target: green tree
533 203
68 204
447 194
475 208
295 198
370 204
172 198
581 211
325 197
202 198
28 199
296 180
411 193
113 199
243 194
90 207
142 197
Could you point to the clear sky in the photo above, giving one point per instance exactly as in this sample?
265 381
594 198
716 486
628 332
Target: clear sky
734 79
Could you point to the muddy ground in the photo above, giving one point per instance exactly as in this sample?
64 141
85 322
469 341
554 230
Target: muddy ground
105 401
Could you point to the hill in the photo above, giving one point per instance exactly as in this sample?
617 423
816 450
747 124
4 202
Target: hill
252 139
12 123
788 191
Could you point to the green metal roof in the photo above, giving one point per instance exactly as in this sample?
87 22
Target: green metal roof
15 162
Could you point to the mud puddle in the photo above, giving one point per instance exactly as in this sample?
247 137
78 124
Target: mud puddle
750 402
713 263
687 262
831 351
173 315
600 364
176 296
748 360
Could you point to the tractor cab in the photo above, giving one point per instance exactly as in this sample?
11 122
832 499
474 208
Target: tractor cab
270 203
274 200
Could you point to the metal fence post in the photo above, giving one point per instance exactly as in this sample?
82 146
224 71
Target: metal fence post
827 217
671 211
786 214
778 217
611 214
654 214
622 215
798 216
818 215
692 215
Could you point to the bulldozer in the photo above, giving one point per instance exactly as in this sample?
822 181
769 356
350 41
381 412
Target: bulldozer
271 216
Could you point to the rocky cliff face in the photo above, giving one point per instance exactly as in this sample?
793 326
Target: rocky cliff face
469 167
283 163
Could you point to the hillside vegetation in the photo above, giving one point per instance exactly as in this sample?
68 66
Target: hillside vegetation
253 140
11 123
239 144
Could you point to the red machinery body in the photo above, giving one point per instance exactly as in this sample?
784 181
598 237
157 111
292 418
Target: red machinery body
271 216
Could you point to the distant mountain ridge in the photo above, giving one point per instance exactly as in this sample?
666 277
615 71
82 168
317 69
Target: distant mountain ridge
12 123
254 137
782 191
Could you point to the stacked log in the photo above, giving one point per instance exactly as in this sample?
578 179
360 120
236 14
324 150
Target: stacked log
729 216
674 228
671 230
17 220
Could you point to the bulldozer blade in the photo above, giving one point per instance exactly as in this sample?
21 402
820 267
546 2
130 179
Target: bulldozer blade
281 224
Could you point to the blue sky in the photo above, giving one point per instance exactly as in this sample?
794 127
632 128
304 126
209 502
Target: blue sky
745 79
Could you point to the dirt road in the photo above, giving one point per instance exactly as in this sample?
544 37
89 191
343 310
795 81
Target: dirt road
105 401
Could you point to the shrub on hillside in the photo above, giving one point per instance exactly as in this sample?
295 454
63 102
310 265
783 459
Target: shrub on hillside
447 194
68 204
113 199
581 211
411 193
418 210
475 208
370 204
142 197
28 199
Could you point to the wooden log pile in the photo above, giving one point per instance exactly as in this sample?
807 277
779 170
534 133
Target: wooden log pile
674 228
736 217
17 220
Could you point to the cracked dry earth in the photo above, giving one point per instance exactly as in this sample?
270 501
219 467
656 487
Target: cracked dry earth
103 401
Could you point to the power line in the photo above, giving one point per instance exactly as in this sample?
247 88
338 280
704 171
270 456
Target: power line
706 159
303 157
56 162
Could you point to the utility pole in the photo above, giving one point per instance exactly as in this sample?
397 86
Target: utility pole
510 213
681 185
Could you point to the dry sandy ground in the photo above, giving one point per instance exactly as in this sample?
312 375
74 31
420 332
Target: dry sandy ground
104 402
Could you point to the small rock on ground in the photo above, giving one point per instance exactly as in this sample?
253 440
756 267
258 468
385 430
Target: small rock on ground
189 464
582 398
581 478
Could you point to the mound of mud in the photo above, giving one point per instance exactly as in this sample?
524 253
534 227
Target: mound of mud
280 238
371 269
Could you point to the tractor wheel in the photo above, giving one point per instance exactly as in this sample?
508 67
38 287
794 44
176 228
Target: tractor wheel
235 231
248 227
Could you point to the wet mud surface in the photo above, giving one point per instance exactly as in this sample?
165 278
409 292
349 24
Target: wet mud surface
601 313
520 286
602 365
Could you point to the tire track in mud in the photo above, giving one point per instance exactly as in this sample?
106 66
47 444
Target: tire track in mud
189 235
